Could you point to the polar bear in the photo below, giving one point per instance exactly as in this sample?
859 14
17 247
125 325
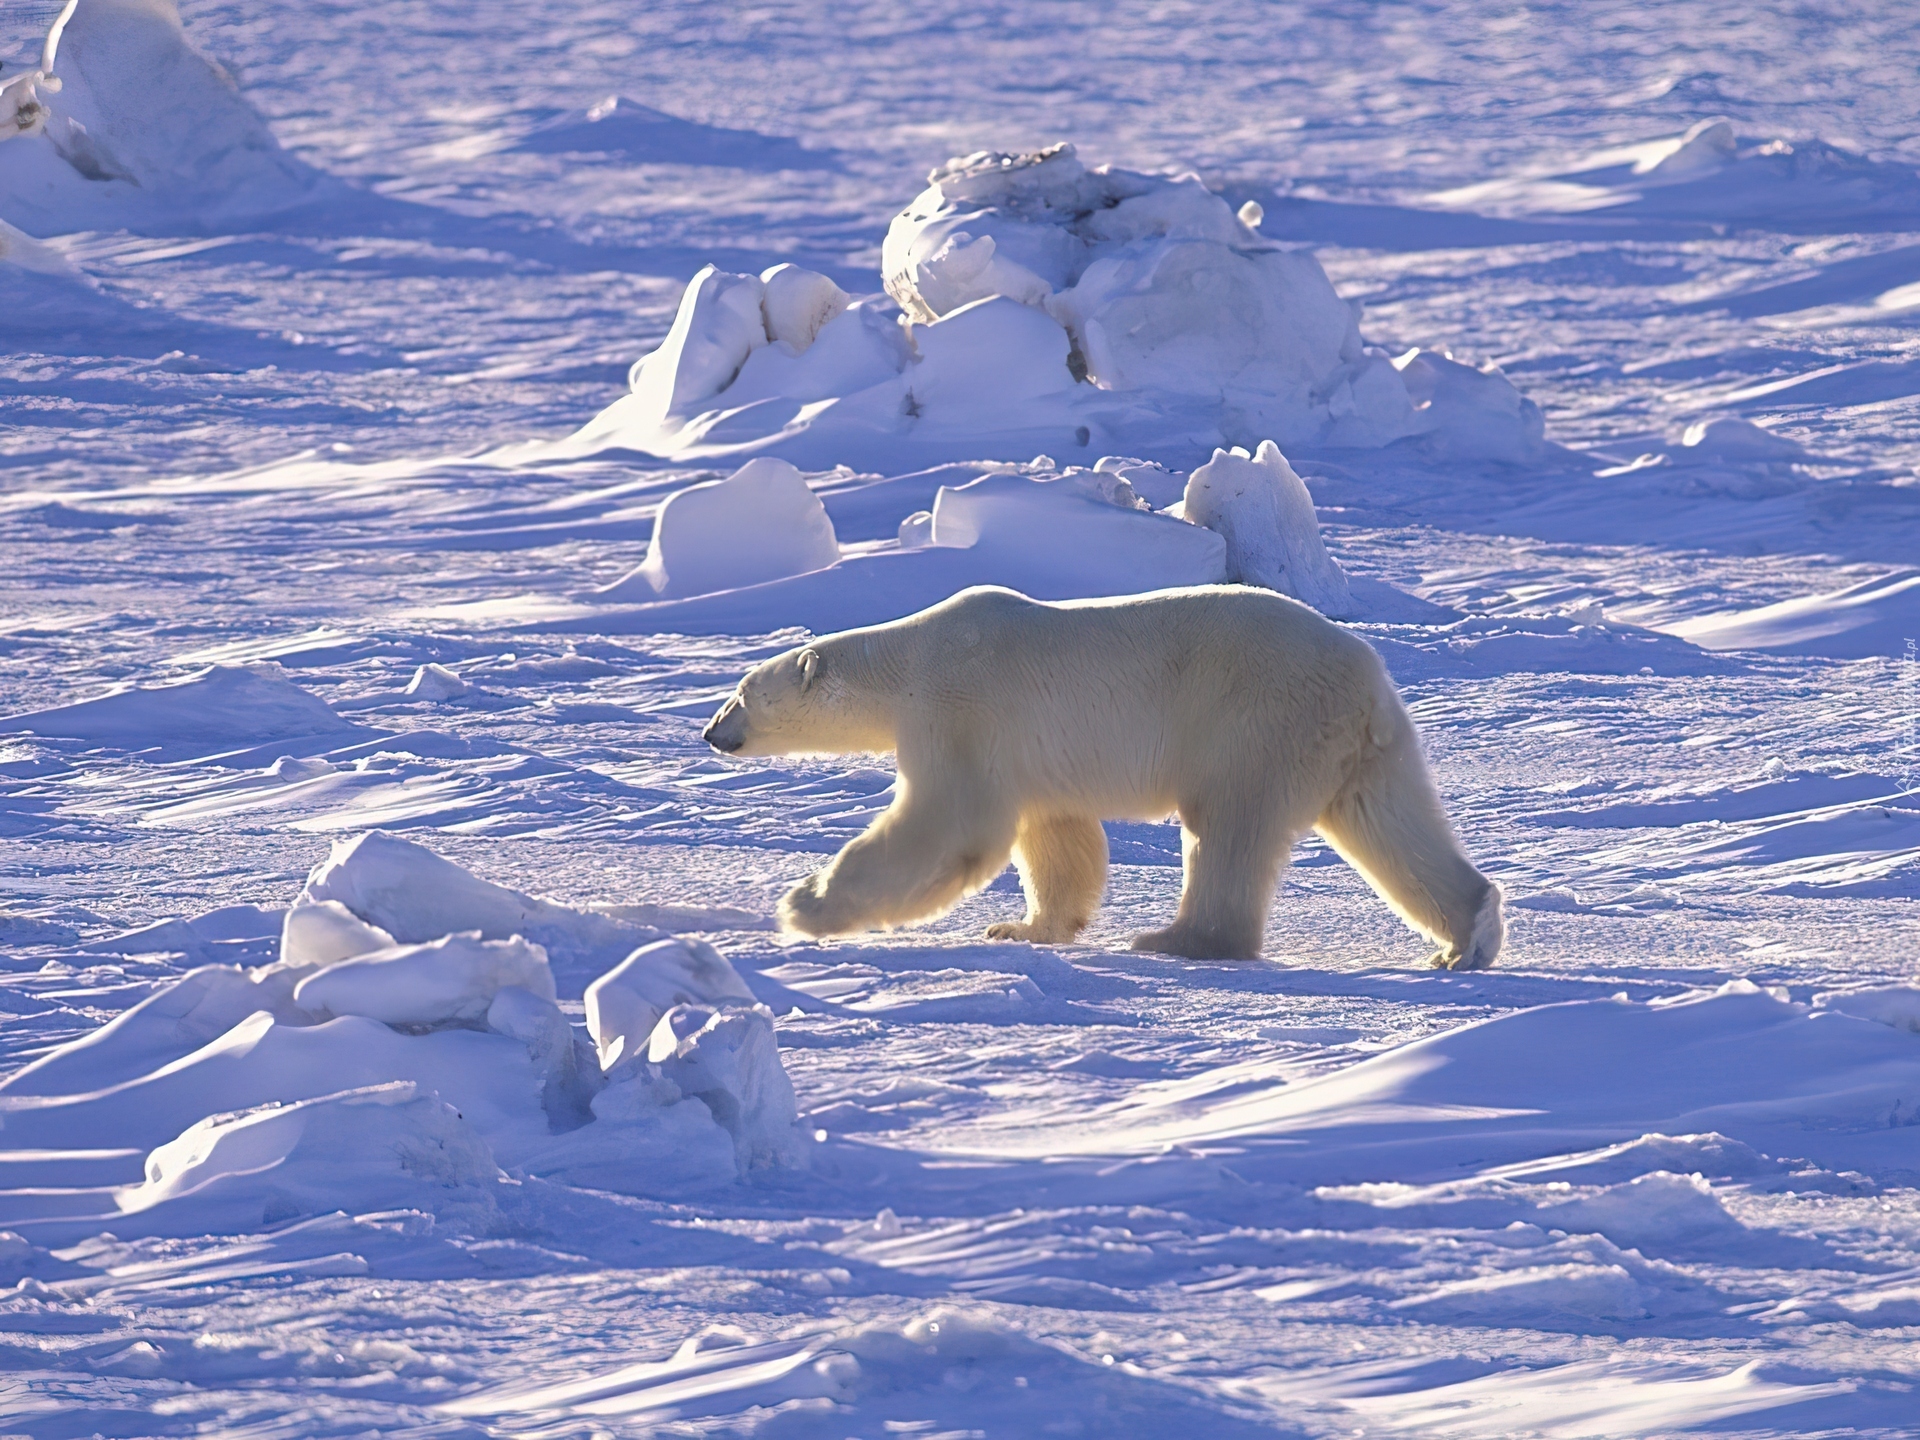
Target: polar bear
1020 725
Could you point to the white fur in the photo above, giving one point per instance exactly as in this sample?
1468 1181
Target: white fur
1019 726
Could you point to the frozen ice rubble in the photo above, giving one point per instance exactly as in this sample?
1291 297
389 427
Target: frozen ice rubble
1033 304
365 1069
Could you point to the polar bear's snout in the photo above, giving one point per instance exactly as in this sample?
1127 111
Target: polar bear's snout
727 731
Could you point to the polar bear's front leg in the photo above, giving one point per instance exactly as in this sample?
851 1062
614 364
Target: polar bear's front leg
914 863
1062 861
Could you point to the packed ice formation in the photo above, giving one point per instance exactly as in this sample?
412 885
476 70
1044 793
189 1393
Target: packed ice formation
1034 304
360 1072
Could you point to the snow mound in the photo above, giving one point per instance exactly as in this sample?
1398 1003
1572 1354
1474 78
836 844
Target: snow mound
223 705
1263 511
761 523
145 128
1895 1005
1521 1297
1050 535
21 249
1031 303
1732 441
389 1146
1767 1073
1708 173
881 1376
619 126
1084 533
1874 618
454 1050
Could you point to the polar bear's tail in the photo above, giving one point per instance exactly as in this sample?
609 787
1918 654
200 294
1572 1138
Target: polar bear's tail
1387 822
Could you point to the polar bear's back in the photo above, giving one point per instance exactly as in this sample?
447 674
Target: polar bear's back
1132 702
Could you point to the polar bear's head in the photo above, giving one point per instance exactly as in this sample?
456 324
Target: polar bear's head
778 709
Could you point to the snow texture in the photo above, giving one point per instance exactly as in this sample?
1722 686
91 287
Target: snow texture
1590 342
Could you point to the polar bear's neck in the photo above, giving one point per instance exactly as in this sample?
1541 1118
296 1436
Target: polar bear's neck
863 674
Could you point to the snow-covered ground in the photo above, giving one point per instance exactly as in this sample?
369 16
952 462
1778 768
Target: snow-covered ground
325 515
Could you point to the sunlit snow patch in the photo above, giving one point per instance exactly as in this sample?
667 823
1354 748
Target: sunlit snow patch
1876 617
1031 305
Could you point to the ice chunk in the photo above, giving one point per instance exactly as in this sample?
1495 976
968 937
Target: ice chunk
796 303
376 1148
1263 511
719 324
325 932
536 1022
761 523
436 682
450 979
1048 305
985 353
727 1059
625 1004
416 896
1469 412
1152 482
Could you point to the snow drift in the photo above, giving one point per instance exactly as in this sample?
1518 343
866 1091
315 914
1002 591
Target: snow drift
220 705
358 1072
1033 304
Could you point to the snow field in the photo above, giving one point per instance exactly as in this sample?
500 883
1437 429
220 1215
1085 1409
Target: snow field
1654 1177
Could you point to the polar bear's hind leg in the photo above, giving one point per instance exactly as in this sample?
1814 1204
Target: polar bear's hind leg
1062 861
1233 858
1387 822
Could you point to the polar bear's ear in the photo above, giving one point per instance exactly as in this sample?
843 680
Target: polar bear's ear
809 667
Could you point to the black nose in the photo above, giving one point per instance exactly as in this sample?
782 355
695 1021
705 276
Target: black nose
725 747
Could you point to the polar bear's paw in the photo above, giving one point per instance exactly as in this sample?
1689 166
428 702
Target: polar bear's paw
1191 943
1454 960
1034 932
812 908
